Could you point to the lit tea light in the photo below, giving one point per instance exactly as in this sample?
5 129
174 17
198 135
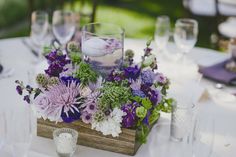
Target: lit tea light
65 140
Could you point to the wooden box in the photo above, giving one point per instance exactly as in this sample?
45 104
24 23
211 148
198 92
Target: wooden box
126 143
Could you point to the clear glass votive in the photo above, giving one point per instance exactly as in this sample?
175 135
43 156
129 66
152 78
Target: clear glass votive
103 46
65 140
181 121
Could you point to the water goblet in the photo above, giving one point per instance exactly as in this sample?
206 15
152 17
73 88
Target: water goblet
103 46
162 32
39 29
21 131
63 26
185 35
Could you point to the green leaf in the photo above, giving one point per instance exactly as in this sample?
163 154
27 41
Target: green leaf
147 103
154 117
148 43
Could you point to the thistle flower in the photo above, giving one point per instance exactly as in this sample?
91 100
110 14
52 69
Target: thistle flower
42 80
53 81
99 116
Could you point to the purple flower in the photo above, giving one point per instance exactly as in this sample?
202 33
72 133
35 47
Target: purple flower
132 72
160 78
19 90
115 76
136 85
91 108
27 99
56 63
86 117
146 119
155 96
147 77
68 79
147 51
64 101
130 119
138 93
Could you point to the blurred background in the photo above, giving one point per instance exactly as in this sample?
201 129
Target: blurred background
136 16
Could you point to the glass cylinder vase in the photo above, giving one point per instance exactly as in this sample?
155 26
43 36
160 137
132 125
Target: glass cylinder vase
103 46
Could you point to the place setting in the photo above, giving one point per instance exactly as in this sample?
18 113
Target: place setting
116 85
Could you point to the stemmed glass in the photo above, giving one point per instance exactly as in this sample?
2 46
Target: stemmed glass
39 28
203 136
162 32
185 35
21 131
63 26
2 129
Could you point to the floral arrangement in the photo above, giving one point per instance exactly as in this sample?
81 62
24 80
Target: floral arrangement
130 97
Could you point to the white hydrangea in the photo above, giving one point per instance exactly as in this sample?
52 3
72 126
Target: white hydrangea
111 125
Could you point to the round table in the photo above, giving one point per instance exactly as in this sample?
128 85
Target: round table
221 103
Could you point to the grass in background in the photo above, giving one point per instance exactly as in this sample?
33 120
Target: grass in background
136 16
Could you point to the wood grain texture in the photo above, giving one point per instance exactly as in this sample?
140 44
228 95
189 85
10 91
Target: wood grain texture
126 142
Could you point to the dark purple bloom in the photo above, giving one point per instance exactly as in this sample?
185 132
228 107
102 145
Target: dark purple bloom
27 98
70 116
132 72
147 51
29 89
130 119
138 93
146 119
147 77
19 90
115 76
56 63
68 79
155 96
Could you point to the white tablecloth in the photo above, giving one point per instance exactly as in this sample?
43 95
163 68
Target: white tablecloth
222 105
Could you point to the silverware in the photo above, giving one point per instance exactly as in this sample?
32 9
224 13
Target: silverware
35 53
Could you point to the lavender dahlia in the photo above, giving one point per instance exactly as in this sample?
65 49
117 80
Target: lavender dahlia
147 77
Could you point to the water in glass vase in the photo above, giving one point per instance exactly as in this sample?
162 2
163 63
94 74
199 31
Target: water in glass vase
104 54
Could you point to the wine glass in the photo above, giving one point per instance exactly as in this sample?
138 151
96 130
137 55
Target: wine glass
63 26
203 136
185 34
3 128
162 32
103 46
39 27
21 131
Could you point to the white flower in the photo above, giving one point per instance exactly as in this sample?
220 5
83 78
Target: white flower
111 125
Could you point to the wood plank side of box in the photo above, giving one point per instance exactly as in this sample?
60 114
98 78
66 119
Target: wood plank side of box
126 142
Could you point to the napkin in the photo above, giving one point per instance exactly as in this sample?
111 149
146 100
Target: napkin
218 73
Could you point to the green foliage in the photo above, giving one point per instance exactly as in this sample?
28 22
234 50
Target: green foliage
154 116
75 58
86 74
147 103
115 94
143 133
141 112
99 116
165 105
